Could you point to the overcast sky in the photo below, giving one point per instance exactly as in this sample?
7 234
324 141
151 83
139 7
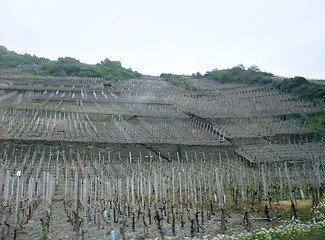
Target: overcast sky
285 37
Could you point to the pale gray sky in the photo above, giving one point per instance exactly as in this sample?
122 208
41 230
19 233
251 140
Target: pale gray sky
285 37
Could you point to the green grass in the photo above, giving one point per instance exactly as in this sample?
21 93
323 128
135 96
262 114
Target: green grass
314 121
180 83
317 233
311 225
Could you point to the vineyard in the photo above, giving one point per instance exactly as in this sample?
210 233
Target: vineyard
84 158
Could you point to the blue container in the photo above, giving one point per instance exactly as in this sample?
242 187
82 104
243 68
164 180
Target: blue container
112 235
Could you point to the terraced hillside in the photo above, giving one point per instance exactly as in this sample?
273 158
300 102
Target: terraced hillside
87 156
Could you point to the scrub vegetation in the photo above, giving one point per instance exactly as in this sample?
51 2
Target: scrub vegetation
64 67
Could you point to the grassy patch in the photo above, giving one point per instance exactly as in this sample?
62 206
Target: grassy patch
180 83
312 226
314 121
314 233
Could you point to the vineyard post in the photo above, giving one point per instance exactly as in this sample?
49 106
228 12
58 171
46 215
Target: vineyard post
281 184
191 209
85 197
57 167
266 195
5 202
133 202
320 187
246 221
196 213
297 170
314 188
157 216
181 199
221 201
173 206
76 211
149 199
18 173
293 209
202 204
30 198
47 202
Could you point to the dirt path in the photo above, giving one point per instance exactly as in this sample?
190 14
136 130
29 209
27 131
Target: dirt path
60 228
33 229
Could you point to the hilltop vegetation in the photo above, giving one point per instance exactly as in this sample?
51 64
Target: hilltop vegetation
109 70
179 82
236 74
301 88
12 59
239 74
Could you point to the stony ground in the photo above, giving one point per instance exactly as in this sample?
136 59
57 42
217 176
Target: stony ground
61 228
